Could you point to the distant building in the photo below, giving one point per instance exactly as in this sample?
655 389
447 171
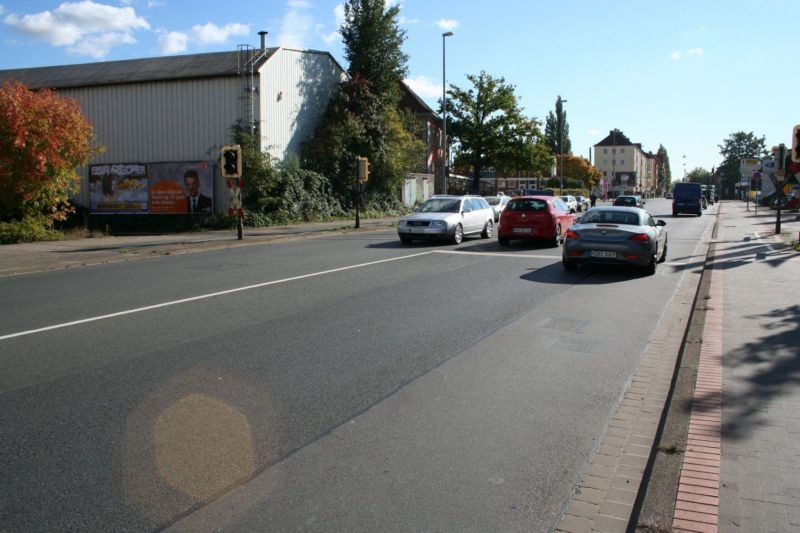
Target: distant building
163 120
625 167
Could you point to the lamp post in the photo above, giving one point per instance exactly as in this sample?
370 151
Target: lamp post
445 172
561 143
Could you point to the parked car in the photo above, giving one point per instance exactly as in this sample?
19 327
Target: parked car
534 218
669 196
571 202
629 200
688 198
583 203
497 203
617 235
447 217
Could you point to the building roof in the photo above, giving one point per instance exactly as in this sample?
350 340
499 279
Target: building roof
616 138
215 64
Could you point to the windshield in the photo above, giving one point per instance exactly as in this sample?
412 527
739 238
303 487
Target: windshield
492 200
440 205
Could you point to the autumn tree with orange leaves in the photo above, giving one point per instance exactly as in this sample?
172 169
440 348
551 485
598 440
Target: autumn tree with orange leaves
44 138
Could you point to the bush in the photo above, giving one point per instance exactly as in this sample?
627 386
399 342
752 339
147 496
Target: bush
29 229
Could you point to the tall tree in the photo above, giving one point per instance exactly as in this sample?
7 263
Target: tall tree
373 44
738 146
556 130
483 120
663 171
44 138
363 119
579 168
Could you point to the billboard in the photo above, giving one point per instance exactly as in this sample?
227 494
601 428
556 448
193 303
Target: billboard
181 188
118 188
159 188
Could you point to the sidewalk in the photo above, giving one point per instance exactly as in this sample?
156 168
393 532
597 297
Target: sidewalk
741 467
40 256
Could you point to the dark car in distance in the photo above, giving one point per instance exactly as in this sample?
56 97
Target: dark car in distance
629 200
687 198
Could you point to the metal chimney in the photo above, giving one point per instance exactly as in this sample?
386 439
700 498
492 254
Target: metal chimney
263 35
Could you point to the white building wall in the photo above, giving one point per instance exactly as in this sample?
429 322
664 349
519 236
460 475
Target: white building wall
295 88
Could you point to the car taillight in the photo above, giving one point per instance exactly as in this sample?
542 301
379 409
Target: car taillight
571 235
641 237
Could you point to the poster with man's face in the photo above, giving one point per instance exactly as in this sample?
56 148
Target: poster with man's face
182 188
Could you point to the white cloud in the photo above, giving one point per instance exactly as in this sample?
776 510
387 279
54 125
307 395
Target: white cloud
2 10
404 20
296 25
594 132
338 14
173 42
86 27
447 24
212 34
424 86
677 55
98 45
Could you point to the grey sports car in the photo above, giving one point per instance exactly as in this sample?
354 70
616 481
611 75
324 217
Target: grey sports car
617 235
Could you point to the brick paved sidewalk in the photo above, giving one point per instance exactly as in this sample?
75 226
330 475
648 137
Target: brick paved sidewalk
741 470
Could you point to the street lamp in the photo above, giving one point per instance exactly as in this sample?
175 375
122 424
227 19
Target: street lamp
561 143
445 35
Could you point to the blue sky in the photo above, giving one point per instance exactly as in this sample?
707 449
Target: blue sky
685 74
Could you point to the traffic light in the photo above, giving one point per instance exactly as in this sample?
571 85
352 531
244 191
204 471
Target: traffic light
363 169
796 144
231 161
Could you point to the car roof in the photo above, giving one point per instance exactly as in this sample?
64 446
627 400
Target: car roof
536 196
617 208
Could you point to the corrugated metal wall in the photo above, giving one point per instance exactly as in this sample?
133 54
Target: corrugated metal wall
294 93
185 120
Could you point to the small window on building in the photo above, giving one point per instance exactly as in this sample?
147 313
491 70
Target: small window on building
621 161
605 150
622 150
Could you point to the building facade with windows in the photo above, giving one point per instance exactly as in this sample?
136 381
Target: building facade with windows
625 167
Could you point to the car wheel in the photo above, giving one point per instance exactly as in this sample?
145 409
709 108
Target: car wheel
663 253
503 241
674 213
568 265
487 230
650 269
406 240
557 236
458 234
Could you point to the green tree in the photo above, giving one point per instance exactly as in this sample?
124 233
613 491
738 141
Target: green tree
363 118
556 125
738 146
373 44
663 171
483 120
579 169
700 175
525 152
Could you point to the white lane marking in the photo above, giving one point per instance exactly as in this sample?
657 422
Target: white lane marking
202 297
496 254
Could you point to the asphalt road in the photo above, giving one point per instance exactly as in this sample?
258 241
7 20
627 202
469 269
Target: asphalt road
345 382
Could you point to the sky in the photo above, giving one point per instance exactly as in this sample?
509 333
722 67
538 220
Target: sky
677 73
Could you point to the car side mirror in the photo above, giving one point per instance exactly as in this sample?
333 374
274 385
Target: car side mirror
661 223
466 211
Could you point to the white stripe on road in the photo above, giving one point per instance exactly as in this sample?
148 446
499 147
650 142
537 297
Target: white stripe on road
497 254
202 297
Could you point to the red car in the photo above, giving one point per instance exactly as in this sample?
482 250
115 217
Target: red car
534 218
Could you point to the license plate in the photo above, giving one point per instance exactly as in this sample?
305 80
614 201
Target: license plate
522 230
415 230
600 253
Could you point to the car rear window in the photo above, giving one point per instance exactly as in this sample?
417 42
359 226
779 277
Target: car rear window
527 205
610 217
